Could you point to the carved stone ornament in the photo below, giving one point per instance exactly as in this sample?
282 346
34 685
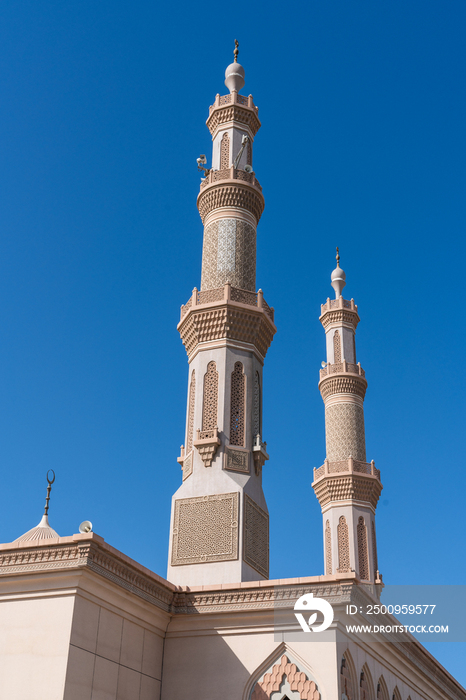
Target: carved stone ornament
297 680
207 444
260 455
237 460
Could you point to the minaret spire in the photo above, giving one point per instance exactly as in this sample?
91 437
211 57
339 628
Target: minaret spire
219 525
347 486
42 531
49 488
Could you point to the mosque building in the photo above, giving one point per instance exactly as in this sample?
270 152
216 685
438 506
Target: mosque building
80 620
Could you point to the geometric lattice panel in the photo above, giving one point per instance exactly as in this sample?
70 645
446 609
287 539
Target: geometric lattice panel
344 432
229 255
205 528
256 537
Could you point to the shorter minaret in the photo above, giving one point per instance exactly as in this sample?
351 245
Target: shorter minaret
347 486
42 531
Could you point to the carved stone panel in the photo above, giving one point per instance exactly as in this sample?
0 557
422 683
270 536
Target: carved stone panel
237 460
205 529
256 537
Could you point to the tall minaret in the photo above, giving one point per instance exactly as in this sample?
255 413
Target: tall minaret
219 530
347 486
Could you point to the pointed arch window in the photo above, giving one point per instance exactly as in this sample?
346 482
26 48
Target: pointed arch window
256 408
336 347
210 403
343 546
374 550
249 153
345 679
191 400
362 550
225 152
328 549
238 381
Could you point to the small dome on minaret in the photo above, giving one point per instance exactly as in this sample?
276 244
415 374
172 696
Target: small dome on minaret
338 278
234 74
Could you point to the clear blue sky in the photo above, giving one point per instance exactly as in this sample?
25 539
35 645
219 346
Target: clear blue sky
362 146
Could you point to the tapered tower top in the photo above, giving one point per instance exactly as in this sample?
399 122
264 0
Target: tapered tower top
338 278
234 74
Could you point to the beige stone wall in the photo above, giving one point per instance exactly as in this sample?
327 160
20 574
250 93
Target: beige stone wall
34 643
112 655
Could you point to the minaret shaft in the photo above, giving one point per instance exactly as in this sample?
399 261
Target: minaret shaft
346 485
219 523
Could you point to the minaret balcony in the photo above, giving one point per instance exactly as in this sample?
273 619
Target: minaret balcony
337 312
233 108
227 313
348 480
342 378
230 174
231 187
342 368
348 465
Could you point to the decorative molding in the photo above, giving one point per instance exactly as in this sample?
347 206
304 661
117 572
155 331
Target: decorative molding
340 317
265 597
226 113
227 319
343 384
347 487
256 537
237 460
205 529
90 555
231 193
298 682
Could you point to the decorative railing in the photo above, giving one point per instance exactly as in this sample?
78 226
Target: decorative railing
233 98
230 174
347 466
339 367
339 303
227 293
207 434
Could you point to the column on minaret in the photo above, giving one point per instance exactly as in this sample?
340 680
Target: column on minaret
219 522
347 486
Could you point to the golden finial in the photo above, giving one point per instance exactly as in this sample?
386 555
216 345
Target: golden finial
338 257
235 52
